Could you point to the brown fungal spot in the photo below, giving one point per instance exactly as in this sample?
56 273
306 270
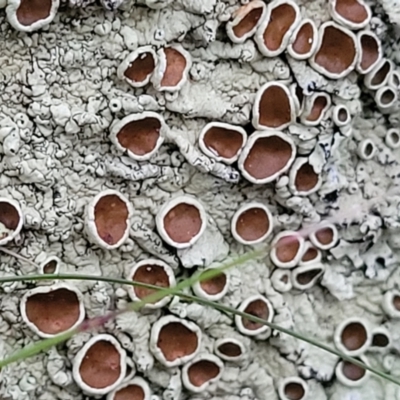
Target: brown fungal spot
141 136
395 80
352 371
230 349
53 312
140 68
176 65
306 178
101 365
50 267
248 22
151 274
281 20
274 107
368 149
285 279
387 96
294 391
267 157
369 51
396 302
183 222
9 216
214 285
175 341
110 215
381 74
318 107
287 248
325 236
252 224
343 115
202 371
304 39
337 50
130 392
31 11
310 254
259 309
394 137
306 277
354 336
223 142
352 10
380 340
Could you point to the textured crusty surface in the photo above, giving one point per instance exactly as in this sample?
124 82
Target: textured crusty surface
59 96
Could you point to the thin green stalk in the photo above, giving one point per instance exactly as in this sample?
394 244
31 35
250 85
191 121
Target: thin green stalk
45 344
289 332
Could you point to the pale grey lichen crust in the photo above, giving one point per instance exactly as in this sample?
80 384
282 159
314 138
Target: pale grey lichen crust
60 96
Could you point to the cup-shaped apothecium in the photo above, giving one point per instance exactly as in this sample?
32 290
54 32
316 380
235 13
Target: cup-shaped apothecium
245 21
315 108
11 220
258 306
50 266
311 255
353 336
303 179
50 310
222 141
350 374
337 51
229 349
304 40
107 219
366 149
394 79
306 276
341 115
274 107
325 237
379 74
287 249
392 138
135 389
391 303
172 69
30 15
273 34
214 288
139 135
381 340
293 388
252 223
198 374
138 66
387 99
153 272
181 221
174 341
370 49
266 155
100 365
354 14
281 280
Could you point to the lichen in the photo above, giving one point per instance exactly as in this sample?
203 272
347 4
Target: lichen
61 96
